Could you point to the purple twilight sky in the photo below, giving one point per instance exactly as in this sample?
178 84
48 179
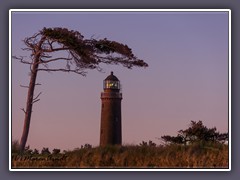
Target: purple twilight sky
187 77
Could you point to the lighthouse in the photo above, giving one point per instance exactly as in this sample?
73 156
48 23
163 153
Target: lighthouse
111 127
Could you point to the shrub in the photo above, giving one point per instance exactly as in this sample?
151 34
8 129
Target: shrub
56 151
45 151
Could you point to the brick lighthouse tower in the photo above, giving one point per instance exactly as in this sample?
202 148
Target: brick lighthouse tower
111 128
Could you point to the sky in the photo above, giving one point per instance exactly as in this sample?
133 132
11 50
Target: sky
187 77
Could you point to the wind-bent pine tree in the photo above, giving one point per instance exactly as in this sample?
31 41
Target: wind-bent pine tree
80 54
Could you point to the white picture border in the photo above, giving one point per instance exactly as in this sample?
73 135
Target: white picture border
120 10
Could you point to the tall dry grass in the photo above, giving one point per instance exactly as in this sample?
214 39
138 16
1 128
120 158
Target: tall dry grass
198 155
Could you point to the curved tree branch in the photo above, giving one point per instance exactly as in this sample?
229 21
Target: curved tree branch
55 59
64 70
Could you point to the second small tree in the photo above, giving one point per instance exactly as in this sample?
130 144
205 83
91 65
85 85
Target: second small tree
196 132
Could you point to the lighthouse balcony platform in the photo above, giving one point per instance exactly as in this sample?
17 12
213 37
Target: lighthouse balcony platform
111 95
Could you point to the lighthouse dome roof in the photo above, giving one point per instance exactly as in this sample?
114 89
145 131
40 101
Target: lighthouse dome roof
111 77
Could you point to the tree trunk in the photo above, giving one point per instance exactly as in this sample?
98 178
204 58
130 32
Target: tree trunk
30 98
29 104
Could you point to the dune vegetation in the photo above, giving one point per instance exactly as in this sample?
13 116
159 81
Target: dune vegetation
195 147
198 155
